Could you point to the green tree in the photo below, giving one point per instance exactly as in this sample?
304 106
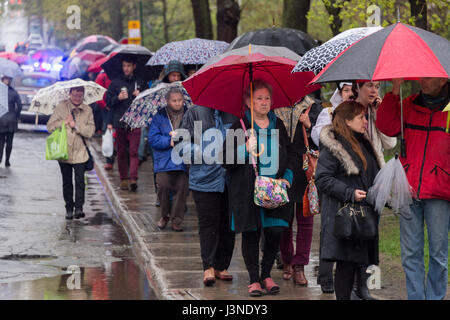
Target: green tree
294 14
202 18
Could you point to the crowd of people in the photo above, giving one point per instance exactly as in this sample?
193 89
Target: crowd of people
350 136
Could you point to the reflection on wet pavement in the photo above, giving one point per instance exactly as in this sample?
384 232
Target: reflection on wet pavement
43 256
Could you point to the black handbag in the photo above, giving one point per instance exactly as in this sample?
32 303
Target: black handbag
89 164
355 221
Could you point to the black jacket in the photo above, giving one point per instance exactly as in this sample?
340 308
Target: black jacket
241 182
9 121
118 107
339 172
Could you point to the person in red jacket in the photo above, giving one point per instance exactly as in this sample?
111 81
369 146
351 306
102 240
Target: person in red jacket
427 166
103 80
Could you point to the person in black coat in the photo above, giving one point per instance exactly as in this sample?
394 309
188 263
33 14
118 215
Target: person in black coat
245 216
346 169
9 121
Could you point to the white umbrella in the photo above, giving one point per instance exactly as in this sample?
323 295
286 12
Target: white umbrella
3 99
46 99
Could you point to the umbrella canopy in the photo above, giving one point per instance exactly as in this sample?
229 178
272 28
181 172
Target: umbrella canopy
13 56
397 51
96 67
317 58
220 84
94 42
90 55
113 67
46 99
109 48
74 68
47 54
9 68
192 51
4 108
295 40
148 102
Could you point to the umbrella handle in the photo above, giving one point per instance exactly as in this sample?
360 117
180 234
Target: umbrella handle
261 147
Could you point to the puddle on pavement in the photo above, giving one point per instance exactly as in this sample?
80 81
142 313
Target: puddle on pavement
122 280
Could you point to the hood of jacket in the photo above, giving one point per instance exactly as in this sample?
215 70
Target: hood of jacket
174 66
328 139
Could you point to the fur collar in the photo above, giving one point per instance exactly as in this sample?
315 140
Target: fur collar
328 139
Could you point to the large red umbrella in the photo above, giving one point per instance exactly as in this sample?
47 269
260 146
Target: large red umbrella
96 67
13 56
397 51
90 55
220 83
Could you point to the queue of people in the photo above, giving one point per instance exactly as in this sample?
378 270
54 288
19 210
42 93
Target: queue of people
350 136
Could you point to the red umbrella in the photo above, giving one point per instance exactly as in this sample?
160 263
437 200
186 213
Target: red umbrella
220 83
96 67
397 51
90 56
13 56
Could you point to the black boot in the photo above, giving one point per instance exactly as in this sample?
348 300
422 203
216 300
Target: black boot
360 288
79 213
69 214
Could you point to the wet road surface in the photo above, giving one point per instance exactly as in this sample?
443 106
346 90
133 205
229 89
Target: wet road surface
43 256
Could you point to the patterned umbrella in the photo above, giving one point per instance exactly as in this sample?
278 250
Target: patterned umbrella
46 99
146 104
192 51
3 99
9 68
317 58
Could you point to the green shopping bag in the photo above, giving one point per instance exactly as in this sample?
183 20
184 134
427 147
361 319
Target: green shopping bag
56 144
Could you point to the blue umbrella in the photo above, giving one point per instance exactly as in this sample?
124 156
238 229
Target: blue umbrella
3 99
9 68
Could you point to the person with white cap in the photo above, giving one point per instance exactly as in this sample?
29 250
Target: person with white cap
343 92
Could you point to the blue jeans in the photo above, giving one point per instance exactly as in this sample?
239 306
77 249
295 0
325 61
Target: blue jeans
436 214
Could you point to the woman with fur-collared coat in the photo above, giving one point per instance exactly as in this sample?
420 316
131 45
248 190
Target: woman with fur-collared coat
347 166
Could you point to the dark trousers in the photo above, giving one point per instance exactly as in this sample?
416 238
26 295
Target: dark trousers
127 145
6 138
325 272
343 281
178 182
216 237
66 171
250 251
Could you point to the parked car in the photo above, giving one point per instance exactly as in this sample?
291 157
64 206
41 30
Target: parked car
27 86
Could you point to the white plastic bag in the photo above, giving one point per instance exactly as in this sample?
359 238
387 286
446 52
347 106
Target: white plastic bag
107 144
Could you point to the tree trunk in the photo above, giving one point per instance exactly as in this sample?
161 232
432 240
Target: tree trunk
116 21
228 16
334 11
294 14
202 18
166 26
419 11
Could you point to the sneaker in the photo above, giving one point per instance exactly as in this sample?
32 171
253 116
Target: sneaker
254 290
270 286
108 166
7 164
327 287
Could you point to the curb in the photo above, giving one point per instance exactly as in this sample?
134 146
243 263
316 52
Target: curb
155 275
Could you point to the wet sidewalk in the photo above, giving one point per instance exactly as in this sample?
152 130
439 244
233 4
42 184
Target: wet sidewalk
172 259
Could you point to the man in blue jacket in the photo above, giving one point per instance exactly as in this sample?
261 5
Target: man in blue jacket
169 176
208 185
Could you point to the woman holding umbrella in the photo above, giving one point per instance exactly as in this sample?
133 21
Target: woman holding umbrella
9 121
246 217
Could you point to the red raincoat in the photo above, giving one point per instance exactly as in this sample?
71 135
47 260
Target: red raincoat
103 80
427 162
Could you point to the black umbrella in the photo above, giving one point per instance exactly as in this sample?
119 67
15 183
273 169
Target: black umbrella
293 39
113 67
